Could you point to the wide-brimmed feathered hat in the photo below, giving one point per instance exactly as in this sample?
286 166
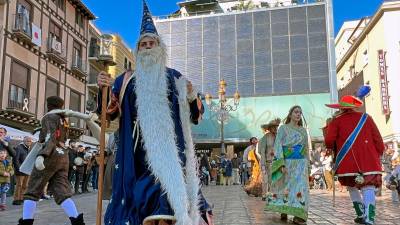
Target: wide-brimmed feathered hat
272 123
351 102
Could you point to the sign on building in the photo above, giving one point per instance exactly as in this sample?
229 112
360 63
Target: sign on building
383 82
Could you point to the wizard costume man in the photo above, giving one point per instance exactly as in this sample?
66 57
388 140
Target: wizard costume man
358 147
155 179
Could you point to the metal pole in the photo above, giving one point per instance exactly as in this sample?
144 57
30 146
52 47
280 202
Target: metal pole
222 137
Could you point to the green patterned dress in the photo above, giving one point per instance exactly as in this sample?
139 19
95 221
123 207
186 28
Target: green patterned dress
290 192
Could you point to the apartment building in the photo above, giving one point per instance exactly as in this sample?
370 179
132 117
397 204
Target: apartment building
123 56
43 52
369 53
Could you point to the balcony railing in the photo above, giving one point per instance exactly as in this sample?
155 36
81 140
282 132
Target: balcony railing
22 26
78 66
235 9
94 50
56 51
19 100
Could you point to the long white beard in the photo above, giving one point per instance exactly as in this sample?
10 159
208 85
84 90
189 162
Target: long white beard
158 131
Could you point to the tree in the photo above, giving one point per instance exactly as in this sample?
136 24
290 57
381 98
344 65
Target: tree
245 5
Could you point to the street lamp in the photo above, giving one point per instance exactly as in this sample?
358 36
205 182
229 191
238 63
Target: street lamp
222 109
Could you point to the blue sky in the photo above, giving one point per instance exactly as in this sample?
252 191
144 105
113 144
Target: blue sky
123 16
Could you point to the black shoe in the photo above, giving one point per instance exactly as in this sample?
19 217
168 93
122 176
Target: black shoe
25 222
17 202
359 220
283 216
78 220
299 221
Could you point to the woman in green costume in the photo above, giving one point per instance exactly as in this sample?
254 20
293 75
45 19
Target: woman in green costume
290 190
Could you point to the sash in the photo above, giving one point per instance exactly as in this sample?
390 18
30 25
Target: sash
350 141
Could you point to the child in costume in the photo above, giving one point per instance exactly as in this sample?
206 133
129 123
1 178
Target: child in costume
51 166
6 171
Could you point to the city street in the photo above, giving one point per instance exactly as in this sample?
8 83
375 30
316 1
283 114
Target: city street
231 207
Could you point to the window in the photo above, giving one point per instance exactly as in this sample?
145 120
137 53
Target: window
23 17
365 57
130 65
51 89
75 105
55 31
18 85
125 63
77 55
79 18
60 4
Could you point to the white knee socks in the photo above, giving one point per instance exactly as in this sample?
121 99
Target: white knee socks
28 209
367 200
69 208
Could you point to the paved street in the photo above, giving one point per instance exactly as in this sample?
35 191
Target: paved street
231 207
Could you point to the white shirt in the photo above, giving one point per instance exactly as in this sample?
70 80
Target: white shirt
246 155
326 162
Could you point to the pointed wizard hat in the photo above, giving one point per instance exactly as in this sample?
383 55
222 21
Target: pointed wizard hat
148 26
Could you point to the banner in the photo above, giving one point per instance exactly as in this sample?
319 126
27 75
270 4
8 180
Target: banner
383 82
36 35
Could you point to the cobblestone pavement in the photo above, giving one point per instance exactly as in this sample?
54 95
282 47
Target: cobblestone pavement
231 207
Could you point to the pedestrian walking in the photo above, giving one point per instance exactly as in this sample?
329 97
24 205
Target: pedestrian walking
290 169
79 163
6 171
254 186
393 180
359 147
21 152
266 150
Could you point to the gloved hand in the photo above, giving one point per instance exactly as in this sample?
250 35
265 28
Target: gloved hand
39 163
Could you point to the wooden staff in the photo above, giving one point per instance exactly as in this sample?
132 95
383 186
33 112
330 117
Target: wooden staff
103 119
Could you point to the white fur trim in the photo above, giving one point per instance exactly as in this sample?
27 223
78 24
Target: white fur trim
192 179
154 116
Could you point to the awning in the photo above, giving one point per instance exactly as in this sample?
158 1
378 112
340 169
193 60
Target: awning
15 134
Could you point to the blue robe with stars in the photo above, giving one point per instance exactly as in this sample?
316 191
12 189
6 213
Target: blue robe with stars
135 194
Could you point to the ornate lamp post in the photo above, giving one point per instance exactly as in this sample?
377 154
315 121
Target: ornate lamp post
222 108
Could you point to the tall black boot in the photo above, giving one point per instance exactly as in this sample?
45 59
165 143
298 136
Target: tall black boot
78 220
25 222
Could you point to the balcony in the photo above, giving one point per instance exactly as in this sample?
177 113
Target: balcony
17 112
56 51
101 55
22 27
78 67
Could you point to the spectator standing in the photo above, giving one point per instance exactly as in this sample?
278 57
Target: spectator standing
4 143
226 164
72 150
326 161
95 173
21 151
235 169
6 171
79 167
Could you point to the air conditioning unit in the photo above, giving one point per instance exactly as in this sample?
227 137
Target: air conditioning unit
56 45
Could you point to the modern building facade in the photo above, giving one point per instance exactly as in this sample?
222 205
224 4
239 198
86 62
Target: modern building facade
372 57
43 52
275 55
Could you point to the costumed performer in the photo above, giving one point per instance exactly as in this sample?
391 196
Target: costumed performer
290 169
51 166
155 178
265 148
358 149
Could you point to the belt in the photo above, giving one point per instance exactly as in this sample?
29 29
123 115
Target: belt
356 174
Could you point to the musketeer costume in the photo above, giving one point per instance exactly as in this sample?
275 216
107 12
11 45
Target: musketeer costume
358 148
